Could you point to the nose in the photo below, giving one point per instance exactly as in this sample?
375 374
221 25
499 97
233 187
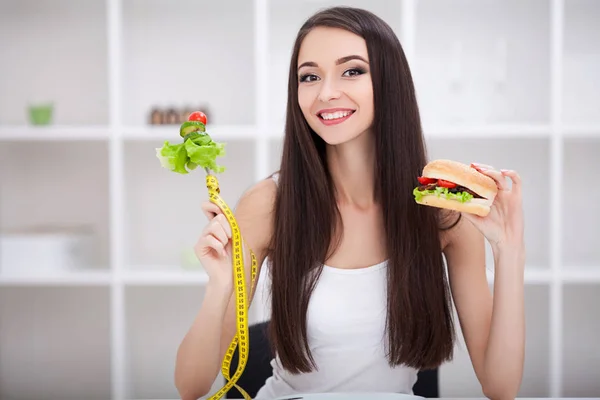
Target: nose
328 91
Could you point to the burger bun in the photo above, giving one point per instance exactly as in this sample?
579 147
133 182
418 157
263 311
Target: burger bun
472 207
463 175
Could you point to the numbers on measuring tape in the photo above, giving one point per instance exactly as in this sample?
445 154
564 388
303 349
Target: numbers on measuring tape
240 339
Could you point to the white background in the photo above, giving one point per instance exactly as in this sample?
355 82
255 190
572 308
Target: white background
511 83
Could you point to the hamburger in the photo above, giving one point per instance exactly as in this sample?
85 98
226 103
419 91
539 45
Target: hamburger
455 186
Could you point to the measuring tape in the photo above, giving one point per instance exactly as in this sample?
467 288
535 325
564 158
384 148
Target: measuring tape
241 299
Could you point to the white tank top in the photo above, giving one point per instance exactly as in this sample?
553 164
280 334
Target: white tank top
347 338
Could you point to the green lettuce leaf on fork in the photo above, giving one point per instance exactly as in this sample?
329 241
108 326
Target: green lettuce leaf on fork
196 150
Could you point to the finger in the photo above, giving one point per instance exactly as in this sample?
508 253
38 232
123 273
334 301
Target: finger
211 210
213 243
222 219
479 165
218 231
215 227
514 177
496 176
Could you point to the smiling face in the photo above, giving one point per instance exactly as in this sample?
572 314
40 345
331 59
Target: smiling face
335 92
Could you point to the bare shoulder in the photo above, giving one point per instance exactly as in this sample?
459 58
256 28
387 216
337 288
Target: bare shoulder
254 214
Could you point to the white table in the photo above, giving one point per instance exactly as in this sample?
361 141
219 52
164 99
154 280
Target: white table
350 396
392 396
378 396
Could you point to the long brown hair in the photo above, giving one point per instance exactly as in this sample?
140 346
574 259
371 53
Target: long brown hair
419 324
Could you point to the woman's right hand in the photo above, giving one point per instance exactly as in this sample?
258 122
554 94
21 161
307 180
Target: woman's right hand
214 250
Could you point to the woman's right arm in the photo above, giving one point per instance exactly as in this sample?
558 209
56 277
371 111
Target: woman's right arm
202 350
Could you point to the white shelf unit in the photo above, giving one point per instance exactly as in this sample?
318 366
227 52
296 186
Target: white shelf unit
512 83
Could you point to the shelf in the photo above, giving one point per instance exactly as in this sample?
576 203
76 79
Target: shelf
483 131
163 218
582 131
570 275
80 278
54 133
157 320
581 62
575 274
54 51
164 276
492 131
176 276
57 187
189 55
537 342
285 19
581 357
501 74
55 343
484 75
171 132
580 211
457 378
533 275
275 152
251 132
530 157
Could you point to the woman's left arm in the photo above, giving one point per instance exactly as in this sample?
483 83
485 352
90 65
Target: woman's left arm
494 330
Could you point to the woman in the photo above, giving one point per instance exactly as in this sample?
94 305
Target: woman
360 300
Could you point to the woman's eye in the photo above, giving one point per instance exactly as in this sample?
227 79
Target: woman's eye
354 72
348 73
308 78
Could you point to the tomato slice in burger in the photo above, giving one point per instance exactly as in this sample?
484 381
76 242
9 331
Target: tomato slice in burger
426 181
446 184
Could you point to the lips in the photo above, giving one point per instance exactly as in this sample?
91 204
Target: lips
333 116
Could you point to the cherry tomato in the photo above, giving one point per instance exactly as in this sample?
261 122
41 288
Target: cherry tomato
426 181
446 184
197 116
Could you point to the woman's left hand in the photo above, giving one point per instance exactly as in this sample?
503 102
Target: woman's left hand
504 224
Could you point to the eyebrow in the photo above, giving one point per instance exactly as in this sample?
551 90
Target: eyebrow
337 62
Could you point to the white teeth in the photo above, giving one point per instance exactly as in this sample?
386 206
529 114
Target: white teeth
335 115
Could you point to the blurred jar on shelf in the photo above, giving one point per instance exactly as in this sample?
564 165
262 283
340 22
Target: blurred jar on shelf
40 113
175 115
